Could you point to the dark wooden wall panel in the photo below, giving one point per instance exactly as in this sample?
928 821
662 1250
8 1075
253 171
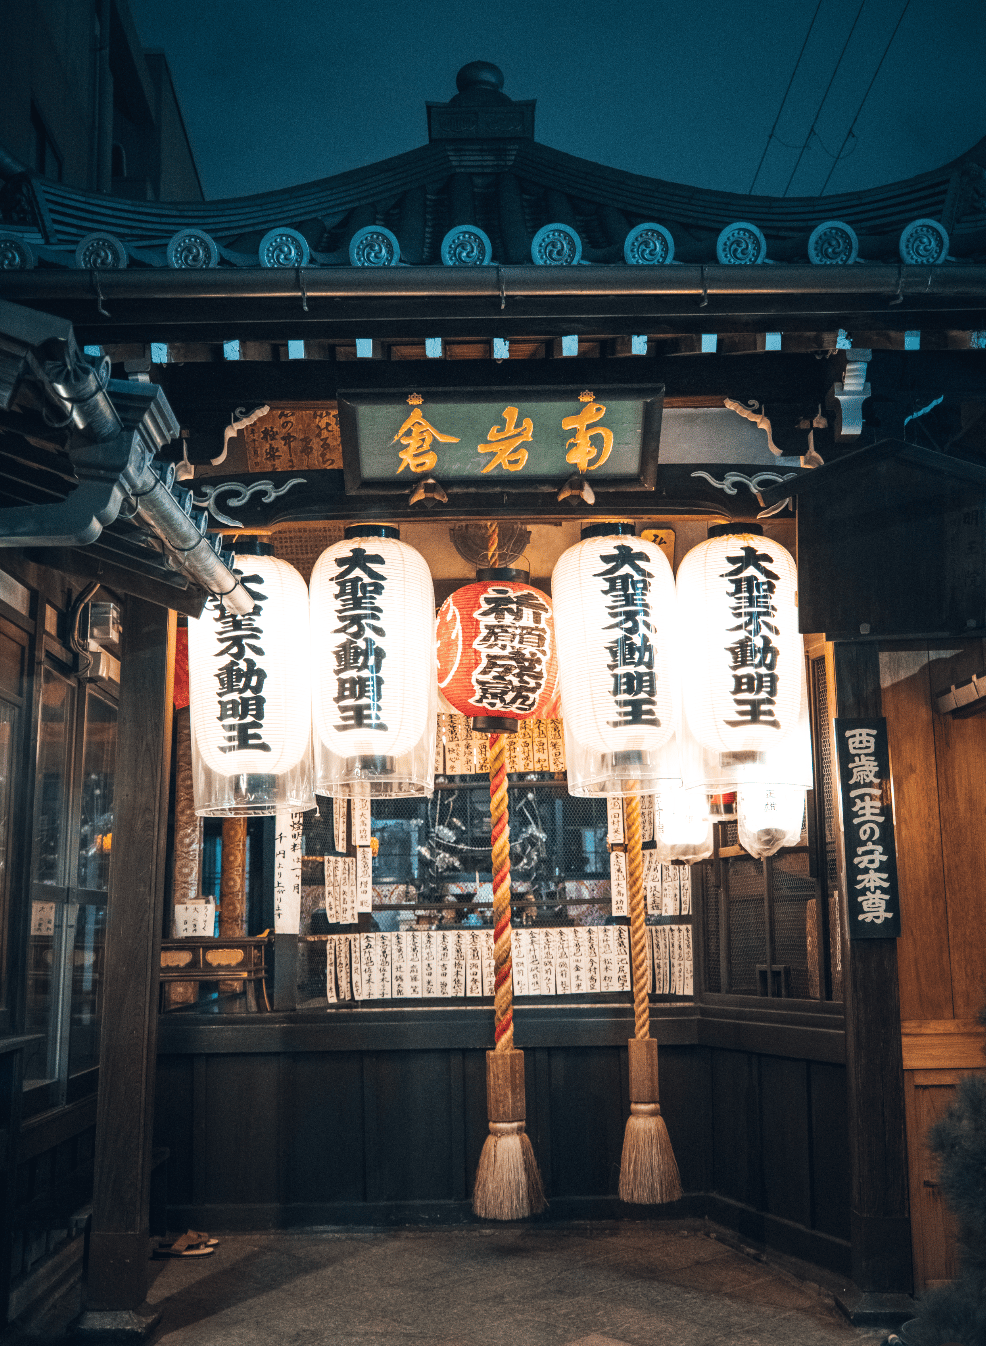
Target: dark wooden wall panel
322 1127
829 1148
474 1113
923 945
381 1137
736 1141
173 1124
686 1102
242 1138
587 1088
413 1110
784 1130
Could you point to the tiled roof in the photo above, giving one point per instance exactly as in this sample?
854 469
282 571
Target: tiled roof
484 176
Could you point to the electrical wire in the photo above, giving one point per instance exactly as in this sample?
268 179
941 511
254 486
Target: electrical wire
811 132
784 99
864 98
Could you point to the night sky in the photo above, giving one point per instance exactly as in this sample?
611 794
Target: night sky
685 90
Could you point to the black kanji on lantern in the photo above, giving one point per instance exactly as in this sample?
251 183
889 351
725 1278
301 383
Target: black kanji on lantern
360 582
514 645
753 655
626 586
240 679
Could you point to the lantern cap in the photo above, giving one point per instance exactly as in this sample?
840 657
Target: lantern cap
249 544
612 529
371 530
493 724
503 573
725 529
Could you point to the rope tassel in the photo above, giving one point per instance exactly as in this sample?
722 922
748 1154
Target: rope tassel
648 1170
508 1184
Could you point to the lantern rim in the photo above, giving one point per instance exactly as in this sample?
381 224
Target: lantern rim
494 724
729 529
513 573
614 528
250 544
371 530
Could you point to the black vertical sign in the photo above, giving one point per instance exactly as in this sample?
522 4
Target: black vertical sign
868 829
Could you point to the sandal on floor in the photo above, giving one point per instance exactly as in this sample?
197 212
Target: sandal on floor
188 1245
191 1237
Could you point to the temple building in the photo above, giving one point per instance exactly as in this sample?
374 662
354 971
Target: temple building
493 353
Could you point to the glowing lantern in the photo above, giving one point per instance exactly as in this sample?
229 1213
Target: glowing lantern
742 656
250 695
682 826
496 651
615 621
374 707
769 817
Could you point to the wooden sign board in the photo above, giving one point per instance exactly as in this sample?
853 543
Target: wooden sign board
868 828
517 440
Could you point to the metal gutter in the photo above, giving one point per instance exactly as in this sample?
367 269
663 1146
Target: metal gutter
501 284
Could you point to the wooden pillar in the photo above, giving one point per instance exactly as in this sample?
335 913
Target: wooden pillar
880 1225
232 880
119 1247
186 883
232 890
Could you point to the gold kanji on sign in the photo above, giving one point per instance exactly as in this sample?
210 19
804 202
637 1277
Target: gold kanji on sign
291 437
417 435
506 441
581 449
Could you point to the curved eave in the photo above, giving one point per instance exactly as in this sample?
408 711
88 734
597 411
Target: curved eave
695 214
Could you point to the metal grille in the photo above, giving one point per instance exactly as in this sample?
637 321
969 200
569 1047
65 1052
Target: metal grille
747 928
712 897
793 889
433 866
302 544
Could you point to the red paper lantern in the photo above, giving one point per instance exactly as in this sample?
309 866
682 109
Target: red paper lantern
496 651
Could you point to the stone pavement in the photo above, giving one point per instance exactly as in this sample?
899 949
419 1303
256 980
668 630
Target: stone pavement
606 1284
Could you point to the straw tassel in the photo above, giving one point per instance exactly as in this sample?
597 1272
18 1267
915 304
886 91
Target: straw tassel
648 1171
508 1184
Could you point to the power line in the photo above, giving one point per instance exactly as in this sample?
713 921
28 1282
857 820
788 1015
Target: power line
865 96
825 95
784 99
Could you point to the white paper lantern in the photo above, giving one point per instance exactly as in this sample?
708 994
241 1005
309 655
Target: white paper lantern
374 707
742 660
615 627
769 817
250 696
682 826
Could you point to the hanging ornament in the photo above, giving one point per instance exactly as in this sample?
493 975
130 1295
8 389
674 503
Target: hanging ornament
741 651
496 651
769 817
374 707
250 694
744 693
615 619
682 826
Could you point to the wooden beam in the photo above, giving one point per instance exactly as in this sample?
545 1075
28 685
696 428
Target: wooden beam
880 1227
118 1253
766 377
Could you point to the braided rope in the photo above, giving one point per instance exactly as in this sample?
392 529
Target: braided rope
493 544
638 931
503 1003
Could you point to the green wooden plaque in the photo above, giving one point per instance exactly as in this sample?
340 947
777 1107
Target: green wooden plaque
524 440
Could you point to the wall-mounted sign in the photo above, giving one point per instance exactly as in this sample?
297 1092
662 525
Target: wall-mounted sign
520 440
868 829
